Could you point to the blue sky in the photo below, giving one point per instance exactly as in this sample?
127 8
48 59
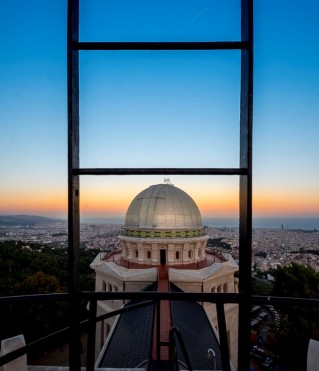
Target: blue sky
159 108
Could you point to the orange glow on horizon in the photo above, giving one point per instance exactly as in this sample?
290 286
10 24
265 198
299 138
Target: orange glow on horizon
34 203
115 201
285 203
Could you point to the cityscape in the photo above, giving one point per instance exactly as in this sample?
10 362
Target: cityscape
270 247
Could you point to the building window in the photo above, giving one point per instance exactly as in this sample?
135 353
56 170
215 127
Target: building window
219 288
178 255
213 289
190 254
103 286
225 287
136 253
109 287
148 255
115 288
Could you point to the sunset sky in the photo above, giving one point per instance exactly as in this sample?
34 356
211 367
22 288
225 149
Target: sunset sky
159 109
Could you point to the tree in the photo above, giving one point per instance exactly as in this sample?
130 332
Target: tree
296 281
35 269
39 283
261 287
298 323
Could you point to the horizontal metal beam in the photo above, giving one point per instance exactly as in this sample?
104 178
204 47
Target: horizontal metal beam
43 298
285 301
161 45
149 295
157 296
160 171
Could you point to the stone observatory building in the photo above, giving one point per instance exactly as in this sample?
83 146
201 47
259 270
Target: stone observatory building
163 226
163 248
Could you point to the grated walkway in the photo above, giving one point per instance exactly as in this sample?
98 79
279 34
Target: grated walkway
130 344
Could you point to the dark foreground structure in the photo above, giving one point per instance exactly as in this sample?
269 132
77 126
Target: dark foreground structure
180 340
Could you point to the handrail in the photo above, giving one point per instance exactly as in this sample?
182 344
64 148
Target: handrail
35 298
23 350
150 297
154 295
172 331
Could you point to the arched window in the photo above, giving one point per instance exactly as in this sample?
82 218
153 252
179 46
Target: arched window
109 287
225 287
213 289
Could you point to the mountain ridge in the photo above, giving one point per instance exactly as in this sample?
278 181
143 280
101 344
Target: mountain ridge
24 219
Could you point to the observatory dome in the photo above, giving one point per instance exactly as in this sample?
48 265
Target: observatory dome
163 207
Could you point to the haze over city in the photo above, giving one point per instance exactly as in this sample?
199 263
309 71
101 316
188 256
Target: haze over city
159 109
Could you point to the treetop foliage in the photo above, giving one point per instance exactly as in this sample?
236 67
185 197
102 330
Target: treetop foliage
24 266
297 281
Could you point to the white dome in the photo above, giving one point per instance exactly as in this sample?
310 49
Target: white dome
163 206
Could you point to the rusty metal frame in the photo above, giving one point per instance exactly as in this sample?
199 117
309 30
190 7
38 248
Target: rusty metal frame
245 45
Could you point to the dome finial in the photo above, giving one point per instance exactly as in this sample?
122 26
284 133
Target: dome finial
167 181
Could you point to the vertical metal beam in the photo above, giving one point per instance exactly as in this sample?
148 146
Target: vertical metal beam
90 358
158 334
223 336
73 183
245 212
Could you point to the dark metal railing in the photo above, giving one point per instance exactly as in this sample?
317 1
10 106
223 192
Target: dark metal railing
244 170
146 298
161 45
159 171
174 331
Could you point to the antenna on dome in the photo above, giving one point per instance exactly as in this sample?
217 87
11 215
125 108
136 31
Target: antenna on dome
167 181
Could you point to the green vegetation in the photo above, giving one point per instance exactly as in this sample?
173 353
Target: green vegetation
298 323
296 281
261 287
19 261
35 269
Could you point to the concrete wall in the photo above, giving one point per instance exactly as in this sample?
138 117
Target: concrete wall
7 346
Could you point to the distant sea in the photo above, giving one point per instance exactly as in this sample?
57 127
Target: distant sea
271 223
304 223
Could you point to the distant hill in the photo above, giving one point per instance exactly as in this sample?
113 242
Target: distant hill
25 219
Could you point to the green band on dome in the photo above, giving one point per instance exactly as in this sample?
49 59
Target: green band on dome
162 234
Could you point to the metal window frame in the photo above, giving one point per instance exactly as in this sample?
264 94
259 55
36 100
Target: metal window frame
244 171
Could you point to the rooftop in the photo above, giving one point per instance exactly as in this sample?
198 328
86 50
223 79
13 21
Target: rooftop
211 258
